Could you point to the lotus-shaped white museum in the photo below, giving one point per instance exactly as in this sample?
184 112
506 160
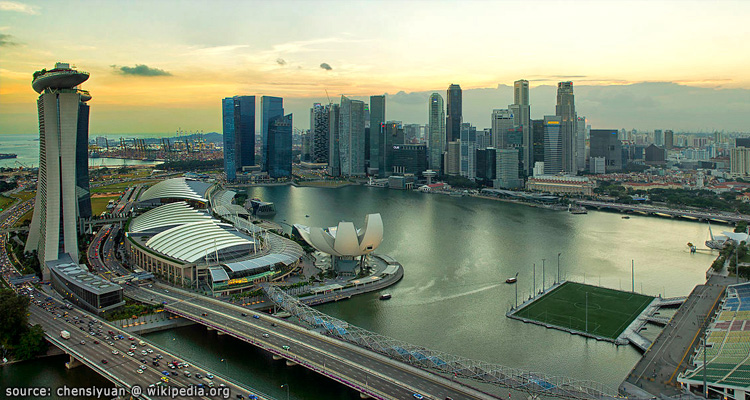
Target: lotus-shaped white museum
344 242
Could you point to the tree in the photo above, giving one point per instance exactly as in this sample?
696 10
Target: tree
32 343
13 317
15 334
741 227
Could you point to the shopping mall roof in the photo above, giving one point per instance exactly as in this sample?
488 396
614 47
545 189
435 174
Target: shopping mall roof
218 274
193 241
72 272
168 215
261 262
178 188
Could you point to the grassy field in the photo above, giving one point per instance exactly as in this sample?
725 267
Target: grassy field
5 202
24 195
25 217
120 187
99 204
609 311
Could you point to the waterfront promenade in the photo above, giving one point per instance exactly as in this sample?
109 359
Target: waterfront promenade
656 373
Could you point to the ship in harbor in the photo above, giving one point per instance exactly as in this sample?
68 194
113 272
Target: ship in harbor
5 156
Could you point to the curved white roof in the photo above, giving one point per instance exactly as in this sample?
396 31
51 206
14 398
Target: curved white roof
181 188
191 242
223 198
344 240
171 214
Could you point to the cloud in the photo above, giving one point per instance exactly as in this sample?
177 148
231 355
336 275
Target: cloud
7 40
280 61
17 7
141 70
326 67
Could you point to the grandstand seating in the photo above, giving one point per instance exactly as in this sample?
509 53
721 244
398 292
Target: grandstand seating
728 357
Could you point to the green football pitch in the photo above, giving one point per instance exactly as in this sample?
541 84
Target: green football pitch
609 311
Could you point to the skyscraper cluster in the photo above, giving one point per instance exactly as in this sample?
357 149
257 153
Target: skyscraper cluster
238 122
355 138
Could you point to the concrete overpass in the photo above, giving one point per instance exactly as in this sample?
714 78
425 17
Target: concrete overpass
645 209
122 369
371 373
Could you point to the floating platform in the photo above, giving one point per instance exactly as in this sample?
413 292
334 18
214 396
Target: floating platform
586 310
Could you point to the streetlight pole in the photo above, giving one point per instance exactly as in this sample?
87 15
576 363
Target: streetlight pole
543 260
533 293
287 390
558 267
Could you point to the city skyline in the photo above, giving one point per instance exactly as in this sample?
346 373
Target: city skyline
172 72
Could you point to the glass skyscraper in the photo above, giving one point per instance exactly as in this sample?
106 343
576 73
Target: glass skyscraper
279 154
270 108
566 110
436 136
455 111
377 145
352 137
238 120
553 145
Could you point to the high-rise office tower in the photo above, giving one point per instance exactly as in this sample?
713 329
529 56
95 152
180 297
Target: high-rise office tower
453 158
238 121
411 133
553 145
279 153
502 120
659 137
468 150
486 164
668 139
537 139
522 118
605 144
334 154
455 113
566 110
377 118
352 137
507 169
62 186
436 135
270 108
409 159
319 129
393 137
581 143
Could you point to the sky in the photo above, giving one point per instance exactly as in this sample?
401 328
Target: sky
157 66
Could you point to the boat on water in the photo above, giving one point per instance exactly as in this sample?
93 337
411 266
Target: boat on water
513 279
577 209
5 156
625 217
385 296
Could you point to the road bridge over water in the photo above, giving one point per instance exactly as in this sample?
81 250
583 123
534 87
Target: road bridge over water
645 209
121 368
371 374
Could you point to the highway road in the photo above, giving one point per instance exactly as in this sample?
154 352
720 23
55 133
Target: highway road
358 368
110 357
